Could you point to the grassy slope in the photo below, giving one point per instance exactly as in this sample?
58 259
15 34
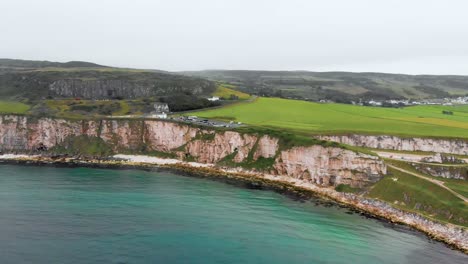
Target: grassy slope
13 107
411 192
339 85
459 186
224 91
62 107
310 118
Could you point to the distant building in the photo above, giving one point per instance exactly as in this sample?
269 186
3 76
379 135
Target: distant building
160 110
161 115
214 98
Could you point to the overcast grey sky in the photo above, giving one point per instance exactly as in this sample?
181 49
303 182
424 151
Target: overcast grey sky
403 36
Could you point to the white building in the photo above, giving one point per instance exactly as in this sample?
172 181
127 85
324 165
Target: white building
160 110
214 98
160 115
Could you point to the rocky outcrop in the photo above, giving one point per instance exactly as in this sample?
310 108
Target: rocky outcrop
442 158
267 147
222 145
120 134
98 89
449 172
326 166
165 136
329 166
19 133
453 146
100 84
110 88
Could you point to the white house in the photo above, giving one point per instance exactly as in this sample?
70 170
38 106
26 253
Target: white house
160 110
214 98
160 115
375 103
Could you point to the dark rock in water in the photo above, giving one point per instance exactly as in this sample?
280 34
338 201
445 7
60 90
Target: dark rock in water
254 185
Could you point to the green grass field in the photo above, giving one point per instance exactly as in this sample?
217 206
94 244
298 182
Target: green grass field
313 118
224 91
9 107
411 193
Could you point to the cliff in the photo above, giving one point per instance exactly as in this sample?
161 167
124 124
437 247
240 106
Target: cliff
449 172
317 163
128 89
97 83
455 146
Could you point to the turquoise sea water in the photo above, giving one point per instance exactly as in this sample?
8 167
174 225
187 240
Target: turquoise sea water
82 215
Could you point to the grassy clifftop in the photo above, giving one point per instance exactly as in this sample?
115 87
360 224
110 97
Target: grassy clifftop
314 118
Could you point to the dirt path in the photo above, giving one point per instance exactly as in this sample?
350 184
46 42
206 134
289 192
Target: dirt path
440 183
410 157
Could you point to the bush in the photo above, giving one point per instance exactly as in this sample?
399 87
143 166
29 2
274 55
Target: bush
83 145
345 188
103 109
185 102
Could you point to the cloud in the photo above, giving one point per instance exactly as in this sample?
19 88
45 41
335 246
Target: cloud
359 35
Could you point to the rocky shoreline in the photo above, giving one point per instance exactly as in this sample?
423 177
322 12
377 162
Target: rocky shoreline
452 235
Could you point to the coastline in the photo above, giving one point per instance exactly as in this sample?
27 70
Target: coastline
452 235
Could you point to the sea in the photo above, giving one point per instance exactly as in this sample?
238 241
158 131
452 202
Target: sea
87 215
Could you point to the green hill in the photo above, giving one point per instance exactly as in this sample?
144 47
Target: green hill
52 80
227 92
340 86
11 63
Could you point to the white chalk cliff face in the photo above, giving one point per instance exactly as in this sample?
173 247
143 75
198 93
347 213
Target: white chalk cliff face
329 166
223 144
455 146
326 166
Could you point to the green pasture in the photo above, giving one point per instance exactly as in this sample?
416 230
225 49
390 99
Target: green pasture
314 118
224 91
10 107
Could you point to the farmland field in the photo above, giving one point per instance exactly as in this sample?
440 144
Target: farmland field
313 118
224 91
13 107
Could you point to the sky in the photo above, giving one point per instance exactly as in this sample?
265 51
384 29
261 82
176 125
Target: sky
396 36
